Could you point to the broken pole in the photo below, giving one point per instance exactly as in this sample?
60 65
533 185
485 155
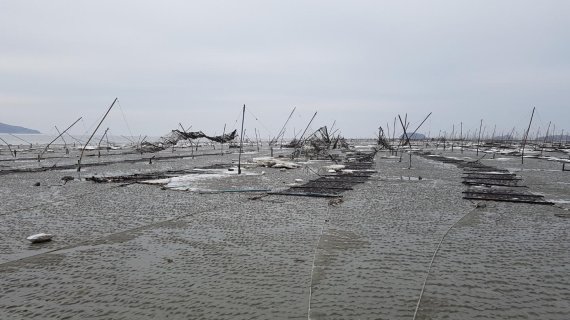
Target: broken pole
99 144
91 137
241 140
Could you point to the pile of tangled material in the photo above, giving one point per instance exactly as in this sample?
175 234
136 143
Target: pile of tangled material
318 143
176 135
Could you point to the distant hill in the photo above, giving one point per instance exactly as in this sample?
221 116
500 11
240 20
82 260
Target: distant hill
415 136
6 128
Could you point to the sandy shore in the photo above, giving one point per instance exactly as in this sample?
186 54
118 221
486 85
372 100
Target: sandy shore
140 252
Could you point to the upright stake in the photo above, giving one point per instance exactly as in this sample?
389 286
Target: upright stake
241 140
393 131
256 139
461 135
526 136
479 139
545 138
452 136
222 143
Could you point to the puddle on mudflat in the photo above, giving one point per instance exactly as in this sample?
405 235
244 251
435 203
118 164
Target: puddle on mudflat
401 178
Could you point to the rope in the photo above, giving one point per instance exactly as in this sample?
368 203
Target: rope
125 118
433 259
264 127
313 265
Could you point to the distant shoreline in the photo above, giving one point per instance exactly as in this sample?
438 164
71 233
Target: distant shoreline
10 129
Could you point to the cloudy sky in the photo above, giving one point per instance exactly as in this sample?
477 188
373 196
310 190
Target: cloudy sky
360 63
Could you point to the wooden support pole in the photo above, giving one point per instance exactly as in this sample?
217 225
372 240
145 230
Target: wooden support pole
60 135
222 143
91 137
479 139
526 136
241 140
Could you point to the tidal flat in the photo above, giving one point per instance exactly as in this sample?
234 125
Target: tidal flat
212 251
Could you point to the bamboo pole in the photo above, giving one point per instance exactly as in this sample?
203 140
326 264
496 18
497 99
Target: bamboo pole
91 137
479 139
241 140
302 135
103 136
526 135
60 134
545 139
64 131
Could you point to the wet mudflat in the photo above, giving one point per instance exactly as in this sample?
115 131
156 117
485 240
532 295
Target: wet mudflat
137 251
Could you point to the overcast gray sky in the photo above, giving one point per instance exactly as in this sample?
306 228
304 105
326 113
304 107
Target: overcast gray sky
357 62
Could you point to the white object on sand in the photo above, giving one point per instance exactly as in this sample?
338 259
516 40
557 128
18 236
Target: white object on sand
40 237
271 162
334 167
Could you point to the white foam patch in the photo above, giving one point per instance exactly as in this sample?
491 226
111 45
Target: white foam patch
188 182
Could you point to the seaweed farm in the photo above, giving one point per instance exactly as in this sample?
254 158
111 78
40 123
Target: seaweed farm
362 229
